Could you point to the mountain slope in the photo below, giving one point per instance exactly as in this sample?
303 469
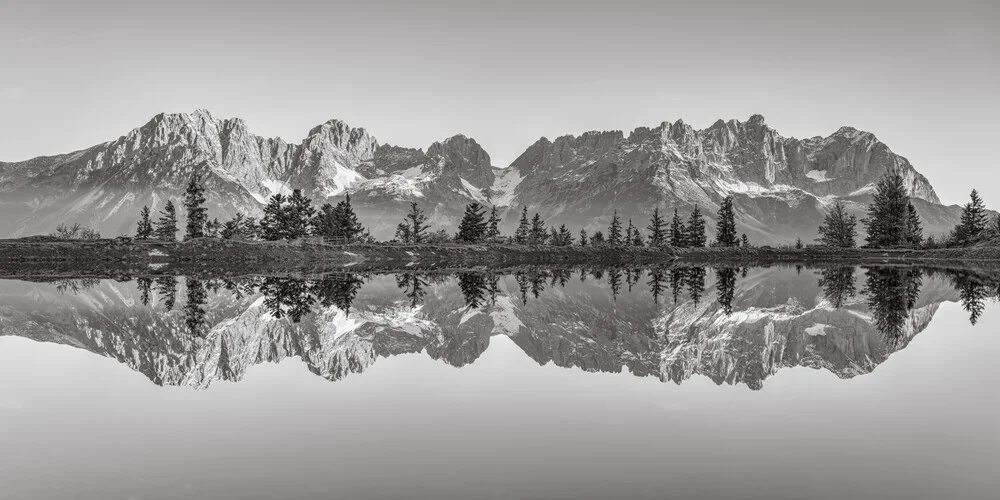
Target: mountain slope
782 186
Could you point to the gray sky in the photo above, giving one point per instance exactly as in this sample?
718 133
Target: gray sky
921 75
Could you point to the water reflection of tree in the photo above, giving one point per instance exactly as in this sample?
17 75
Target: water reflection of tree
892 293
166 288
973 291
413 286
615 281
838 285
75 286
657 284
194 310
474 288
677 279
145 286
695 279
338 290
295 298
725 287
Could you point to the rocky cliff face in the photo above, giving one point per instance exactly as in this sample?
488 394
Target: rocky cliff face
782 185
777 319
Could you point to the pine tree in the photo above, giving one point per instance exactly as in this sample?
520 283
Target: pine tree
886 222
630 231
657 229
914 230
345 224
523 231
145 228
583 238
744 241
726 233
194 205
234 228
615 230
418 223
493 226
973 221
798 244
166 227
838 229
696 229
473 227
537 235
272 224
403 233
598 239
553 237
637 239
299 214
565 236
212 228
678 232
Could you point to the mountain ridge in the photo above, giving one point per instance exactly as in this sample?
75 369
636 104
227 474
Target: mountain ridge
782 185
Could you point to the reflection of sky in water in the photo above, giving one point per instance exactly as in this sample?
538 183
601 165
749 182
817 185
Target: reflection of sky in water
920 425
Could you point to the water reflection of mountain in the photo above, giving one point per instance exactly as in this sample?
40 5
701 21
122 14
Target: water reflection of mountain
733 326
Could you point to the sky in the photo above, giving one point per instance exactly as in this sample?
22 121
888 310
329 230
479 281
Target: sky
922 76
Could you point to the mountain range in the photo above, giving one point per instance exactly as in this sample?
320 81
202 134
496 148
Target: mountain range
782 186
776 319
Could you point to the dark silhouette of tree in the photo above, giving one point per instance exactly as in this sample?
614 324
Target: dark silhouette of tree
615 230
615 282
537 282
630 231
166 289
798 244
338 290
403 232
695 277
473 227
194 307
657 229
493 226
973 293
838 285
657 284
838 230
417 222
637 239
598 239
538 234
678 277
696 236
338 223
973 221
523 285
892 293
273 225
299 215
194 205
726 228
212 228
144 229
725 287
523 231
678 231
474 289
289 297
145 285
583 238
166 227
235 228
413 286
744 241
887 218
914 230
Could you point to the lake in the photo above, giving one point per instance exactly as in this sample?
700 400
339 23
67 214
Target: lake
782 382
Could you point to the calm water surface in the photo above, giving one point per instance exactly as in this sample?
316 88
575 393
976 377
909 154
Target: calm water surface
683 383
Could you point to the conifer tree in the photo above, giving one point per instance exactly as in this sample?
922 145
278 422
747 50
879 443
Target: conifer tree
973 221
212 228
598 239
299 214
887 218
272 224
678 232
565 236
145 226
798 244
473 227
493 226
553 238
615 230
583 238
637 239
403 232
523 231
630 231
914 230
194 205
657 229
838 230
538 234
744 241
417 222
726 233
166 227
696 229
